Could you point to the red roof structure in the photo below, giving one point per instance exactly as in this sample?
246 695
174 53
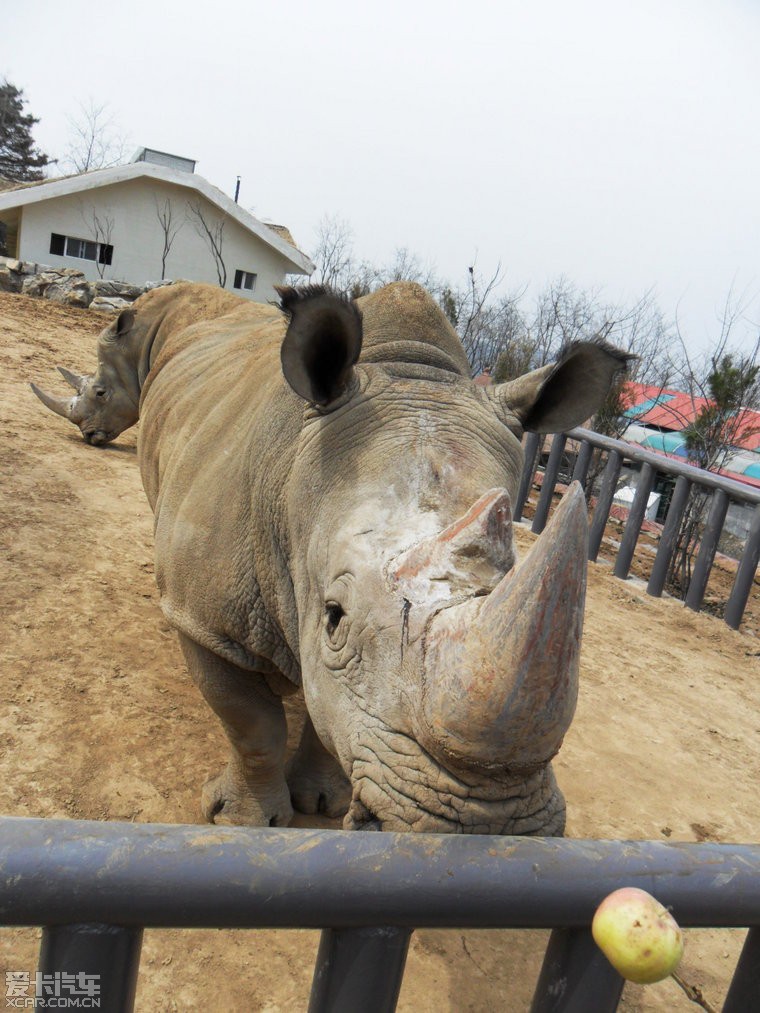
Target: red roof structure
673 411
659 415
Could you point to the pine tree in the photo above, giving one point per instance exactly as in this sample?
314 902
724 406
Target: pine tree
20 160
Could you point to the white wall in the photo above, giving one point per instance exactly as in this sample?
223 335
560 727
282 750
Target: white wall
137 237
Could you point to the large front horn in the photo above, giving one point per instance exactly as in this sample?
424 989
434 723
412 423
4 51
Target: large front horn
501 671
60 405
73 379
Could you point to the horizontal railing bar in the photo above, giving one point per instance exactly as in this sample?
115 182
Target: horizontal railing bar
165 876
632 452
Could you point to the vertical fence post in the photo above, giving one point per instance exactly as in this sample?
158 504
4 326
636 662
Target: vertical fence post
710 537
359 969
635 519
603 504
744 991
745 575
107 955
576 977
532 445
582 462
550 480
668 537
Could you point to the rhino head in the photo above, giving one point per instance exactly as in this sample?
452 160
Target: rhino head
440 672
107 402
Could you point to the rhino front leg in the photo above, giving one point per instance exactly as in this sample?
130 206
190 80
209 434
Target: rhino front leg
316 780
252 788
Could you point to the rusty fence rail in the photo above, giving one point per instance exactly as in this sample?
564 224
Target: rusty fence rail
722 491
95 886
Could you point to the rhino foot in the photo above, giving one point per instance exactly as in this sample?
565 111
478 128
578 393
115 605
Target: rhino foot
228 799
315 778
320 791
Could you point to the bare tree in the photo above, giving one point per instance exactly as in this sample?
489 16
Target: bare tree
333 254
100 225
212 232
725 385
95 142
169 228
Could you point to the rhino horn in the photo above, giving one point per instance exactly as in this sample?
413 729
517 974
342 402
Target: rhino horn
60 405
73 379
501 671
480 540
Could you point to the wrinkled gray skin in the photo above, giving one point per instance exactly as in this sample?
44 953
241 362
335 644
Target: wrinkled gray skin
332 513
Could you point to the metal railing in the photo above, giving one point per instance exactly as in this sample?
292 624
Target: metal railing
723 490
95 886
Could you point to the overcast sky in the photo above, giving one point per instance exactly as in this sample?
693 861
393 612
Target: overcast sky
617 143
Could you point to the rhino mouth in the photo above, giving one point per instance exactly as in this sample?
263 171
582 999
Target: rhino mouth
98 437
398 786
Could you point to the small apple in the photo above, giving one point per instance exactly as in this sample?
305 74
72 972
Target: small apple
638 936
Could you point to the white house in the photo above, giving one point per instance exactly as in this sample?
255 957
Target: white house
116 223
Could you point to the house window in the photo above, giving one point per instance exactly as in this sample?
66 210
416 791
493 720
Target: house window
82 249
245 279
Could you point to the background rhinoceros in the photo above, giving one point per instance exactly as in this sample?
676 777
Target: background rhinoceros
332 512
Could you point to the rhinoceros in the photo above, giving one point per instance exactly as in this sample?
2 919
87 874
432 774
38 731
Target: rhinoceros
332 497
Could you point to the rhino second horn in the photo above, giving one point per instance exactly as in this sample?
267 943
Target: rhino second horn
482 537
60 405
73 379
501 671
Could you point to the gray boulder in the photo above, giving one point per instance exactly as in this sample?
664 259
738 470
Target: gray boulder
106 289
10 280
109 304
55 285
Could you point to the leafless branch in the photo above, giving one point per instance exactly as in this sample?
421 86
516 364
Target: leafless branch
169 228
94 140
212 232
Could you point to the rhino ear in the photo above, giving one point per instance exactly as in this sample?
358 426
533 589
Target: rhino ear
564 394
322 343
124 322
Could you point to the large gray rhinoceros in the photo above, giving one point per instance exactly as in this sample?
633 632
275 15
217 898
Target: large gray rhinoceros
332 513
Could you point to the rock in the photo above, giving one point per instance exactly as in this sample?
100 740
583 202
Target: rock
109 304
80 295
106 289
10 281
53 285
157 284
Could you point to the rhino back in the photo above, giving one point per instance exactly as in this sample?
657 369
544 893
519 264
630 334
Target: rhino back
217 438
404 324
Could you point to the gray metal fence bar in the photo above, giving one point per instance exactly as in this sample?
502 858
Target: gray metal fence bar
532 446
359 969
551 474
165 876
707 479
710 538
604 502
107 955
635 519
745 575
582 462
744 991
668 537
576 977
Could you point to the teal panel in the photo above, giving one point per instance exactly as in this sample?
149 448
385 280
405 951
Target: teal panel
646 406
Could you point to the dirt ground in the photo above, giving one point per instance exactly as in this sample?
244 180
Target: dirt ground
100 721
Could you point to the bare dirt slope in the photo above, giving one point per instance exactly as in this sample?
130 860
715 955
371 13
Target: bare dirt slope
100 721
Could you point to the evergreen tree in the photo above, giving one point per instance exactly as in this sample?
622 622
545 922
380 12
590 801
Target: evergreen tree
20 160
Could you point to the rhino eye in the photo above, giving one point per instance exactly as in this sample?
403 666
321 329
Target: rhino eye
333 615
100 392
